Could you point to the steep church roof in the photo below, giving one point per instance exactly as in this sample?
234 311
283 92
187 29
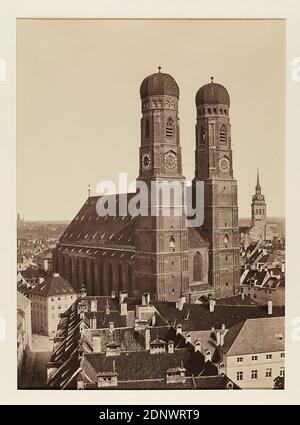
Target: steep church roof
90 230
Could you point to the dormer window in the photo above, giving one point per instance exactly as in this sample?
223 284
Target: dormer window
170 128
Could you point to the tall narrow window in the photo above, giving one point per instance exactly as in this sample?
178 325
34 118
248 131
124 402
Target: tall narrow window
197 267
202 135
147 129
172 242
170 128
223 134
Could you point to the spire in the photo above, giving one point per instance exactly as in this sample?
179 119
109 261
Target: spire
89 190
257 187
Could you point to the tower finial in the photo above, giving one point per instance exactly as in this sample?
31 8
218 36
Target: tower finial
212 79
89 190
159 68
257 178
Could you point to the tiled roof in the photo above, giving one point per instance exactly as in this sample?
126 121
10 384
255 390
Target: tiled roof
53 286
142 365
88 229
33 273
235 300
45 255
219 382
103 319
198 317
22 301
252 336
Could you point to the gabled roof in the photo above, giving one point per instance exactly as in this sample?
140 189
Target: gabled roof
22 301
45 255
33 272
53 286
263 335
196 317
88 229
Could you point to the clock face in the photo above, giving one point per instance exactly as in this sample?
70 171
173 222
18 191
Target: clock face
170 160
224 164
146 161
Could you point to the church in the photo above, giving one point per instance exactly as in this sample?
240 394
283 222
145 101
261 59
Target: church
258 231
159 254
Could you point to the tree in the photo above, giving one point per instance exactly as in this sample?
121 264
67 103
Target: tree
279 383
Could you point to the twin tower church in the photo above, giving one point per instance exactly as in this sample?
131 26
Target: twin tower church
160 254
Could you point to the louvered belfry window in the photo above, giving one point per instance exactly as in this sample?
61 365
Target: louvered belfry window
223 134
170 128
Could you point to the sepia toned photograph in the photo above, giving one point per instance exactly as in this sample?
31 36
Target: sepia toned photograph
150 204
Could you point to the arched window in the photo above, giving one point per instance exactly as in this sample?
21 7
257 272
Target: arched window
147 129
172 242
202 135
170 128
223 134
197 267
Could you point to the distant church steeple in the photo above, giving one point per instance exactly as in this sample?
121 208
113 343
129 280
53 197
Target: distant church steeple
258 205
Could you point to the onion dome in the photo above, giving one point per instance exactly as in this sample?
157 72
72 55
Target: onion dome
159 84
212 94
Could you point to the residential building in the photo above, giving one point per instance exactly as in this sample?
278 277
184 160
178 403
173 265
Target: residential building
253 353
49 299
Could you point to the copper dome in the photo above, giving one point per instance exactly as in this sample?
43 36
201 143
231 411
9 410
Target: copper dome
212 94
159 84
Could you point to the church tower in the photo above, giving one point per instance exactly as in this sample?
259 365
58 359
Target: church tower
213 166
161 260
259 209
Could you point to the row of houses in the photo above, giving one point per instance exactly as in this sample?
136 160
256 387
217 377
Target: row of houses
118 342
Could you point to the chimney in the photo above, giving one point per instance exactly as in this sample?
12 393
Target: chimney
218 337
171 347
55 274
270 308
111 326
93 305
153 320
96 344
147 339
113 294
207 356
146 299
124 309
93 322
198 346
283 267
211 305
223 328
188 338
178 329
41 279
181 302
107 309
243 295
122 296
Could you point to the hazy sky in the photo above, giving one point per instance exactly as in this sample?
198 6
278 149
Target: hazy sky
78 105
